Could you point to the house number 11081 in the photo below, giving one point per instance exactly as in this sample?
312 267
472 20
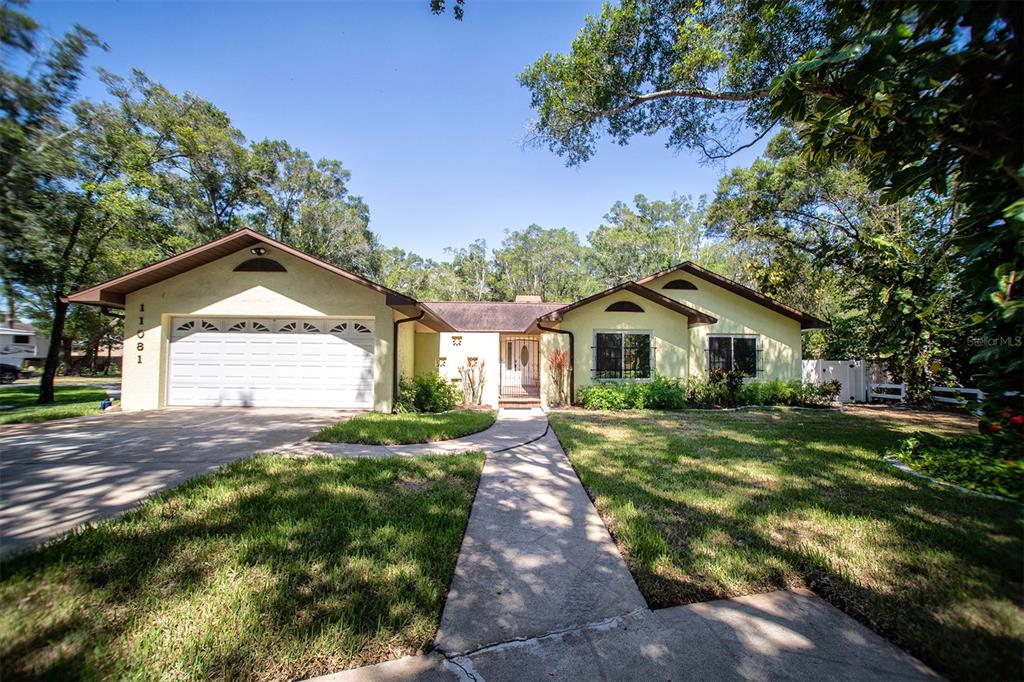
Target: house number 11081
142 332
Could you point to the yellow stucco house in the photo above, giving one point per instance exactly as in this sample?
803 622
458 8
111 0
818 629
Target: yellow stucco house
246 320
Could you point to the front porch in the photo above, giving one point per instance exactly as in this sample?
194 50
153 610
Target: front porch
519 370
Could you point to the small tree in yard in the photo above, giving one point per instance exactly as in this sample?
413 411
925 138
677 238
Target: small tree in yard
473 380
558 365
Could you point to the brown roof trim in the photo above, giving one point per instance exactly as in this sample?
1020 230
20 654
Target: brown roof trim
430 317
693 316
112 293
806 320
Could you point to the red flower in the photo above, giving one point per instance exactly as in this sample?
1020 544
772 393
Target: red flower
1005 414
1017 420
995 428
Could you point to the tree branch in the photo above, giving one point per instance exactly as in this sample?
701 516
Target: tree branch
727 154
693 93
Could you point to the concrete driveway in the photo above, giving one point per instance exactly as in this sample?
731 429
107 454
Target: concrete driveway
57 475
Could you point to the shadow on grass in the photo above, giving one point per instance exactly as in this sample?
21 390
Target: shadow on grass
269 568
711 505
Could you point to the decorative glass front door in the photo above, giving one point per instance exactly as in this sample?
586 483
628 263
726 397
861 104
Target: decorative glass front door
520 367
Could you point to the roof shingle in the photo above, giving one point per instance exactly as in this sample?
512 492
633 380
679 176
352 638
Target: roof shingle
491 316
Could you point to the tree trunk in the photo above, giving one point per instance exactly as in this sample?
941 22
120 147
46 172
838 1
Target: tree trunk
60 314
11 311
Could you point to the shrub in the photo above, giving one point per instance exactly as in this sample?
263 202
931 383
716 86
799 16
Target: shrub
701 392
821 395
771 392
720 389
973 462
663 393
427 393
1004 430
660 393
604 397
731 380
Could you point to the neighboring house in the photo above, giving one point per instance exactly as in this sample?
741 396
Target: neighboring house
21 342
246 320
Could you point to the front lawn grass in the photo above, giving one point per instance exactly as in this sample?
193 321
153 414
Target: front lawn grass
709 505
375 428
272 568
69 401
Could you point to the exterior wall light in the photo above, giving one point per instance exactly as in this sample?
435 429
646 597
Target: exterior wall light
257 251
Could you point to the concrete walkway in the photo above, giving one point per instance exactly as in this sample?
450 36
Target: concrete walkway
511 429
536 556
541 592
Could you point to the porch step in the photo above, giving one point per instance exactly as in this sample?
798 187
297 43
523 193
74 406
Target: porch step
518 403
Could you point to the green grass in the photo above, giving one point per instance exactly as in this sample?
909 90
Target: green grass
70 401
271 568
375 428
708 505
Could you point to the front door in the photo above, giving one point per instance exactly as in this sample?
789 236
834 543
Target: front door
520 367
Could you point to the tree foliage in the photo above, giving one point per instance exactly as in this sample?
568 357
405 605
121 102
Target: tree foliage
699 70
646 238
541 261
921 97
895 262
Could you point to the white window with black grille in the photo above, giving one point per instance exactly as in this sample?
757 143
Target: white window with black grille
626 354
734 353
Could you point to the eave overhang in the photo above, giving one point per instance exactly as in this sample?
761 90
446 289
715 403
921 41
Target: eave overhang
693 316
112 293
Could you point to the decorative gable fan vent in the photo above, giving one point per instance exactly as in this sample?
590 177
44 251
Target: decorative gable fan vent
260 265
237 327
339 328
194 325
680 284
361 329
309 328
623 307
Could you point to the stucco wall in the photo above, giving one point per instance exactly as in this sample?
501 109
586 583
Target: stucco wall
406 347
780 336
669 329
427 346
481 345
214 289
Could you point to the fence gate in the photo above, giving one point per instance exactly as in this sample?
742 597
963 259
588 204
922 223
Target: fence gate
849 373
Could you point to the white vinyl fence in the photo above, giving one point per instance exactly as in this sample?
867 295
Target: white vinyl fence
864 382
896 392
849 373
952 394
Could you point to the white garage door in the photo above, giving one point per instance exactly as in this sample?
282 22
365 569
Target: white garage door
271 362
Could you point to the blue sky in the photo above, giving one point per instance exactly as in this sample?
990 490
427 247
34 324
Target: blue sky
424 111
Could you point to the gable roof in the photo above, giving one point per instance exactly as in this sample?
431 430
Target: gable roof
806 320
693 316
491 316
112 292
